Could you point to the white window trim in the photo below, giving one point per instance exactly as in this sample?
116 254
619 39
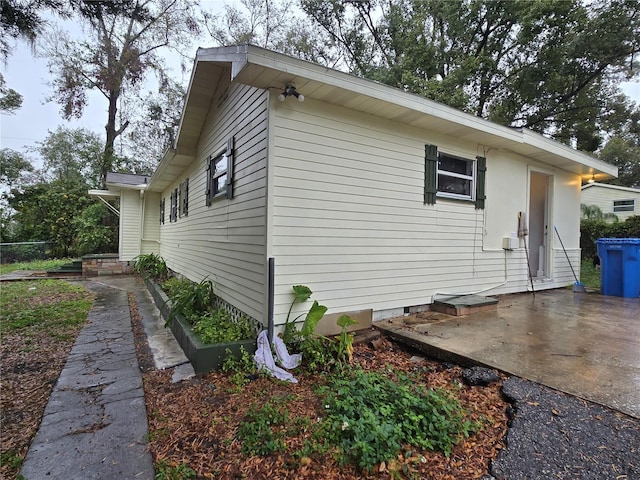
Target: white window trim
624 208
473 178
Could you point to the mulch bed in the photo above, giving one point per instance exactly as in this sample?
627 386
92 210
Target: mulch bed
194 422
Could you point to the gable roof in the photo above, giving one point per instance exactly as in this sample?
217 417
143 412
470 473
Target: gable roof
262 68
611 187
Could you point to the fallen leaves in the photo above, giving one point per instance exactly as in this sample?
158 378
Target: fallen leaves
195 423
32 359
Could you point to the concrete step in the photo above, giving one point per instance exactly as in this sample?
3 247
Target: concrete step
464 304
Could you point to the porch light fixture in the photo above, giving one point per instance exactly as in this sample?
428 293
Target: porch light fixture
592 179
290 90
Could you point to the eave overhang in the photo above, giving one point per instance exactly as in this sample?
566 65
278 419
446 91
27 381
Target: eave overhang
261 68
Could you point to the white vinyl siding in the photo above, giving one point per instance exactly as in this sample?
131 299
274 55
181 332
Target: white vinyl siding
226 241
130 223
150 242
604 196
349 221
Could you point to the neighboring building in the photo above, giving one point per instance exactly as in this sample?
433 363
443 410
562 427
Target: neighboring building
373 197
623 201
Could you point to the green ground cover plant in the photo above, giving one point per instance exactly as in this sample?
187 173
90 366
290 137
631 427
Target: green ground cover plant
33 265
371 417
195 302
39 321
589 274
50 305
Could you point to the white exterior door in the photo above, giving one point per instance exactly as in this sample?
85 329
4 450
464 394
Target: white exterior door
539 228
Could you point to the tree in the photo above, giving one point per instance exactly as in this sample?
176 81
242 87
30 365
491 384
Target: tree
24 20
122 46
46 211
72 155
551 66
156 127
271 25
594 213
626 156
13 166
10 100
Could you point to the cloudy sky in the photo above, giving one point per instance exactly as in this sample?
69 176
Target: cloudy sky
29 76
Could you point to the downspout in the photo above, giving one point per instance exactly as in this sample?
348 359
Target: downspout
271 274
141 221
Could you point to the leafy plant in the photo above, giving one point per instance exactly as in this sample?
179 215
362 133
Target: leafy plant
263 429
301 294
370 418
191 300
239 368
345 345
150 265
164 471
232 364
217 326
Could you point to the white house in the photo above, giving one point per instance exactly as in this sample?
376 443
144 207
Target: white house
623 201
373 197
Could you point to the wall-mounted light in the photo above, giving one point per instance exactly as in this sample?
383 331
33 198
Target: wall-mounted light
290 90
592 179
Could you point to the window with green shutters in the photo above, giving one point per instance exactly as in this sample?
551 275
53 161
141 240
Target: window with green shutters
451 176
220 174
183 194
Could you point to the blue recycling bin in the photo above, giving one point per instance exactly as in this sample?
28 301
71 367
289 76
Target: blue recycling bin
619 266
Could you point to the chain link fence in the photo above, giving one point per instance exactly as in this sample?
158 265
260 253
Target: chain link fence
25 251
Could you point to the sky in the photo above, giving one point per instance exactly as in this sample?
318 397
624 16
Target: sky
29 76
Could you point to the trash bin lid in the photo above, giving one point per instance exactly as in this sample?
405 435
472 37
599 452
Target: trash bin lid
617 241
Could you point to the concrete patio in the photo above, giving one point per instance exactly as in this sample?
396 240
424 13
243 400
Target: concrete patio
584 344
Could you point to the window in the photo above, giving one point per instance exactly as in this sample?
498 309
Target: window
624 206
183 198
173 213
456 177
162 211
450 176
220 174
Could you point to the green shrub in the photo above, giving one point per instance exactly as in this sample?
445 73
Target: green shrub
592 230
217 326
370 418
164 471
152 266
263 429
189 299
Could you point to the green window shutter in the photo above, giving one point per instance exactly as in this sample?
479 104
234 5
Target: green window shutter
185 198
481 168
430 174
209 185
230 165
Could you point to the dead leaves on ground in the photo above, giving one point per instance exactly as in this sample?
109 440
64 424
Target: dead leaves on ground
195 423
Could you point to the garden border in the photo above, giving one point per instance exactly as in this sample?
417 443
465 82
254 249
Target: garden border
204 357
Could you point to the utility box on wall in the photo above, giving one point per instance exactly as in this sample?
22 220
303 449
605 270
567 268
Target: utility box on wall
510 243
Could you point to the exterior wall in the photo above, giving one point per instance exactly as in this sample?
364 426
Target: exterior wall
603 197
347 218
150 238
130 224
226 242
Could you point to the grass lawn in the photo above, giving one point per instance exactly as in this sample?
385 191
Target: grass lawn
39 321
589 275
34 265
